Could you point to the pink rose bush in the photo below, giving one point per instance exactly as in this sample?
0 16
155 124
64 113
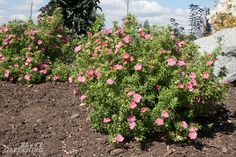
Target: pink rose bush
145 82
34 53
135 82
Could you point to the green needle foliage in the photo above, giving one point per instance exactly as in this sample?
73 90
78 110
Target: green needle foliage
78 15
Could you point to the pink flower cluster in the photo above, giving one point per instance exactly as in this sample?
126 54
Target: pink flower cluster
144 35
131 120
173 61
7 73
136 99
127 39
192 133
160 121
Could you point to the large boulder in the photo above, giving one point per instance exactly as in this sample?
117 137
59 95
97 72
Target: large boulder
228 47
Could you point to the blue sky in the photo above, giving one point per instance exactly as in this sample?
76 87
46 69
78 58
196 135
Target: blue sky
173 4
156 11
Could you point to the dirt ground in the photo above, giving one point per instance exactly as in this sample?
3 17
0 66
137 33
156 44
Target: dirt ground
48 121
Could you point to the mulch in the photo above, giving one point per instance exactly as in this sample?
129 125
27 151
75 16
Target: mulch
49 121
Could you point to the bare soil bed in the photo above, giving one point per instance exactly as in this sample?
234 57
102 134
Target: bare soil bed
49 114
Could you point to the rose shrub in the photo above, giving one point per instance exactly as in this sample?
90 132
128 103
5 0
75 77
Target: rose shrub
136 83
28 52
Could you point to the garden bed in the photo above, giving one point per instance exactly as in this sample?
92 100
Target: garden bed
50 114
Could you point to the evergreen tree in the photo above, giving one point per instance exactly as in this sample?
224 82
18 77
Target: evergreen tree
146 25
78 15
176 28
199 24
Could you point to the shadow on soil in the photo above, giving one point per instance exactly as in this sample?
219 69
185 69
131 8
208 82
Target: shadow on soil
216 123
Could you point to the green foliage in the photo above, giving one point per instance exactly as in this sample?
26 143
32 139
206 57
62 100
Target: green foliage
138 83
28 52
78 15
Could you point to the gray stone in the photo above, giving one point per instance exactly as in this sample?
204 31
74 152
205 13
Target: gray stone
74 116
228 48
118 151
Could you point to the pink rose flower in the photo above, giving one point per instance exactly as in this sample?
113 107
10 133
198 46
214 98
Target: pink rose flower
127 39
138 67
142 33
159 122
43 71
7 73
184 124
81 79
110 81
27 77
137 98
192 75
89 34
171 61
98 74
118 67
107 31
28 60
48 77
70 79
39 42
120 44
194 82
77 48
119 138
180 44
35 69
106 120
75 90
148 36
90 73
131 58
181 63
2 58
83 97
132 105
210 63
163 52
126 55
56 77
131 118
158 87
189 86
192 133
131 93
44 65
132 125
198 99
180 86
16 65
165 114
205 75
144 109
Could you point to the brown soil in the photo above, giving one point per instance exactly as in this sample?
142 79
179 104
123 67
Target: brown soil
50 114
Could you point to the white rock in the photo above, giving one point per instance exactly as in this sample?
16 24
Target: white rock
228 57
